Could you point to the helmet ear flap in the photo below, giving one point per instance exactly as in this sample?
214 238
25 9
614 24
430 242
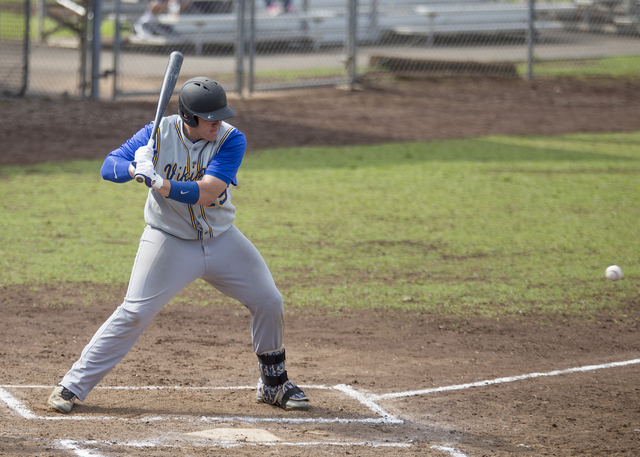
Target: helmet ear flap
187 118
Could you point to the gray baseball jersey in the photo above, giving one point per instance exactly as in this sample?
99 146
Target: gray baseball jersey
179 159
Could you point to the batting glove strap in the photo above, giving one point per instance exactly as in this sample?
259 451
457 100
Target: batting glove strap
157 183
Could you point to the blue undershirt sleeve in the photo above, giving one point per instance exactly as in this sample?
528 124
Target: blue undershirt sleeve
116 165
115 169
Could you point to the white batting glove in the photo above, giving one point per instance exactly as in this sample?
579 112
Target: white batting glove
151 178
144 153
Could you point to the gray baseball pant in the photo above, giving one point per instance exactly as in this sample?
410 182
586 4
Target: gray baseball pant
164 266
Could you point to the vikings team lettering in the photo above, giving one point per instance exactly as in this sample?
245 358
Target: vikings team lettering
181 173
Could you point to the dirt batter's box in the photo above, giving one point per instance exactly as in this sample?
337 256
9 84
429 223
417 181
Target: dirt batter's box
189 413
164 416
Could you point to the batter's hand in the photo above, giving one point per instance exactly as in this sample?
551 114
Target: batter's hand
151 178
144 153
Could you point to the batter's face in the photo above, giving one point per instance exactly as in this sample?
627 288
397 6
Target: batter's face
207 130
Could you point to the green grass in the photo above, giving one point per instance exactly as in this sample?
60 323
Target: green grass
617 67
12 26
489 226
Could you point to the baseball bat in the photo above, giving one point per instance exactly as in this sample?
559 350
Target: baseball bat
166 91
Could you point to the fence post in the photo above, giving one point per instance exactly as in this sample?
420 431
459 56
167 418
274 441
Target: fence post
373 21
531 38
25 63
252 46
240 47
96 47
352 40
41 12
116 50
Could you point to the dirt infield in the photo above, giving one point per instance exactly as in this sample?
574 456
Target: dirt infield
382 112
351 362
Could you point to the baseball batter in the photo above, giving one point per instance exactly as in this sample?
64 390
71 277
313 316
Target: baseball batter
189 235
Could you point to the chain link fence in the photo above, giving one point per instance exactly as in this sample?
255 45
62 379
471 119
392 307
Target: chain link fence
14 46
257 45
292 46
509 38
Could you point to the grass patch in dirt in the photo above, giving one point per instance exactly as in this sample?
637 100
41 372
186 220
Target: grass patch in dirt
486 226
616 67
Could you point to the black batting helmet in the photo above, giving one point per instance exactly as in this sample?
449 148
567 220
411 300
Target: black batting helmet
205 98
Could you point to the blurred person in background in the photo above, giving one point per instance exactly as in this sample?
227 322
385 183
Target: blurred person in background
273 9
148 24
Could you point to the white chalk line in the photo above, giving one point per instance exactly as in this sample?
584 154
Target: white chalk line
348 390
15 405
453 451
74 445
206 420
364 398
374 397
160 387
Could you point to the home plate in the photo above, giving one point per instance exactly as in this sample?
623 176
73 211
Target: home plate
247 435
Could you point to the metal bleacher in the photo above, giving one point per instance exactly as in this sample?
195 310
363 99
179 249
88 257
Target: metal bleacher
482 18
325 22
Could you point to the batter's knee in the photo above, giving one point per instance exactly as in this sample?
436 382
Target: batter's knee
134 316
269 307
267 324
269 304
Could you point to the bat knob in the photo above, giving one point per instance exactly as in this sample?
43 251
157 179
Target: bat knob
139 179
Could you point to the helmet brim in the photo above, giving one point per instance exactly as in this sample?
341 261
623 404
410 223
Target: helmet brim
217 115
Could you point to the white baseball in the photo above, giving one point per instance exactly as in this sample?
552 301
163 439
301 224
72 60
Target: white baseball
614 273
